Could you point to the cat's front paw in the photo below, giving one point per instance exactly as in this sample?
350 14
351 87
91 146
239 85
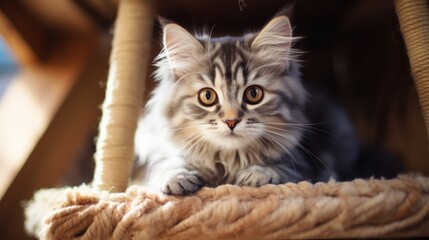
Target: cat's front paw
256 176
183 183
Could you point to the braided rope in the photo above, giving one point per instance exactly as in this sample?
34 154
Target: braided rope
359 208
414 20
124 95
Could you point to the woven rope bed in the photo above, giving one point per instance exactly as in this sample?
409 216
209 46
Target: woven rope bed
110 209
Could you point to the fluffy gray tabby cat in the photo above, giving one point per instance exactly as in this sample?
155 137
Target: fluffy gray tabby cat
233 110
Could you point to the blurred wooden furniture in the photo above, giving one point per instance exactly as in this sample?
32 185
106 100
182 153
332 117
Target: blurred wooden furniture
51 106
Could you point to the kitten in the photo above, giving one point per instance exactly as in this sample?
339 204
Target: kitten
233 110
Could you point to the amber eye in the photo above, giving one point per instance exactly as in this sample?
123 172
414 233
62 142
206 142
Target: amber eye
253 94
207 97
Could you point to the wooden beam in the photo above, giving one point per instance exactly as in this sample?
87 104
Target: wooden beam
23 32
61 136
63 17
31 101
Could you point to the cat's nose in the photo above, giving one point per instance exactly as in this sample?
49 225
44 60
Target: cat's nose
232 123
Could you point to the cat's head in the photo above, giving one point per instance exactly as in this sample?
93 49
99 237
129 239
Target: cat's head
232 92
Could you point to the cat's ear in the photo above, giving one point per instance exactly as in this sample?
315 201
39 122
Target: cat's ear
180 46
273 42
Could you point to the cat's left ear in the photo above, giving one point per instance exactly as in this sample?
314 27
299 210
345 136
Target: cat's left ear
273 43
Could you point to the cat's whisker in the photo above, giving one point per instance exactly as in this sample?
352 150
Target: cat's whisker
189 149
304 136
189 126
311 155
188 141
286 130
287 151
326 135
264 147
307 151
288 138
317 131
197 151
296 124
334 141
290 154
303 126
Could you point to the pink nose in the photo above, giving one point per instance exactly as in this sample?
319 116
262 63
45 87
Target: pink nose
232 123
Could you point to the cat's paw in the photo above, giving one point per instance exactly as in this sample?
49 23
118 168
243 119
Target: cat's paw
255 176
183 183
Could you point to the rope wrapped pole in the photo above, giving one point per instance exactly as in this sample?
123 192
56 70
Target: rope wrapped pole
414 20
124 95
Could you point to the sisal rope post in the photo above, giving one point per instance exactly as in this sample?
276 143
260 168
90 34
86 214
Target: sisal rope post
124 95
414 21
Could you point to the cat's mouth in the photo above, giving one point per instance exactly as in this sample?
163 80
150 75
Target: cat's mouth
232 140
233 135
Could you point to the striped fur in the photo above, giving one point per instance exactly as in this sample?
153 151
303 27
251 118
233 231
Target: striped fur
184 145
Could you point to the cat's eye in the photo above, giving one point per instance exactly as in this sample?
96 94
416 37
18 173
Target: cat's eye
253 94
207 97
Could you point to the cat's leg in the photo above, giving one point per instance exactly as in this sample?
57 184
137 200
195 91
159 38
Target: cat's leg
257 175
171 177
182 182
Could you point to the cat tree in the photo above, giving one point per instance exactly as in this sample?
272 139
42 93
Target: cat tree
110 209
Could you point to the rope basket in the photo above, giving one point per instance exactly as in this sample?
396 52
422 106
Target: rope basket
359 209
110 210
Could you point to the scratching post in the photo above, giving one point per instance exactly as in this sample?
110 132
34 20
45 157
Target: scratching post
413 17
124 95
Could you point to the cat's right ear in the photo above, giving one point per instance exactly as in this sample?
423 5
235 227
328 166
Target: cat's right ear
180 46
272 46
